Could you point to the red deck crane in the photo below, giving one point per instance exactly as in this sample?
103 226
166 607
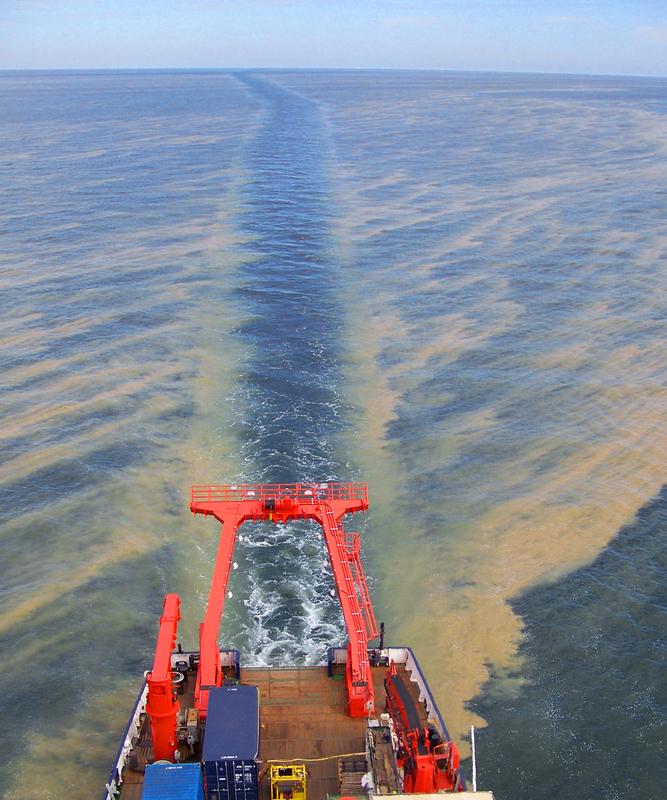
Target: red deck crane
232 505
430 765
162 705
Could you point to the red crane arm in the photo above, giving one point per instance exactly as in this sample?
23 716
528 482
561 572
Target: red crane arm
162 705
326 503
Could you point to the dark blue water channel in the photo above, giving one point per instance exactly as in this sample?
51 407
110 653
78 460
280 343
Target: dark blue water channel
288 399
292 381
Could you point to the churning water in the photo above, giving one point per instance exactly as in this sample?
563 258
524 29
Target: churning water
449 285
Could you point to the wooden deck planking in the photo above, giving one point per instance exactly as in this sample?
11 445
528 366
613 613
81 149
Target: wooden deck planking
302 716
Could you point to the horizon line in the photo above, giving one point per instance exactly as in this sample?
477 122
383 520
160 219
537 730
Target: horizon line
335 69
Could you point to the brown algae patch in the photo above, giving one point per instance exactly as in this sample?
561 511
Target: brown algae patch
151 499
547 501
451 598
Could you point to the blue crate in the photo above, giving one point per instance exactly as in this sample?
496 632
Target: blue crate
173 782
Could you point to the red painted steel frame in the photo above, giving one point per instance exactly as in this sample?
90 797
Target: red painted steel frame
162 705
325 503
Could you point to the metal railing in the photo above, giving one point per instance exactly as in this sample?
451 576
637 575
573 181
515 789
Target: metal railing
353 547
303 492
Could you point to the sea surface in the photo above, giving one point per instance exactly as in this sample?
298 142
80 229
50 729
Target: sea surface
451 285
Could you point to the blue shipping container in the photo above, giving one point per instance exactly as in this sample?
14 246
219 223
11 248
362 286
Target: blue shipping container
231 743
232 723
173 782
229 779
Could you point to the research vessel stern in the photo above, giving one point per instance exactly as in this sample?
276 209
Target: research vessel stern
206 726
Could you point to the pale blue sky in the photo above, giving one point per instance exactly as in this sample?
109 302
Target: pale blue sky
588 36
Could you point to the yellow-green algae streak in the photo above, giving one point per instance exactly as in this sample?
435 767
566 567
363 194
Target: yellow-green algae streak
159 389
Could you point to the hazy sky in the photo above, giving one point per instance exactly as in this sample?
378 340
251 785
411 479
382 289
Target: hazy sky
594 36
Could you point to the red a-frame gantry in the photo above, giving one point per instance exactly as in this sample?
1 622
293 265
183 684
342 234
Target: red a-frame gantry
232 505
326 503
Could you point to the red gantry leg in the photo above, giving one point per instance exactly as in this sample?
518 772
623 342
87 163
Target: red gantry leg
210 672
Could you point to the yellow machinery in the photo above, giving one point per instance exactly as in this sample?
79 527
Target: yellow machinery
288 782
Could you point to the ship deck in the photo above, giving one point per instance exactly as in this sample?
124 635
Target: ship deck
302 719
